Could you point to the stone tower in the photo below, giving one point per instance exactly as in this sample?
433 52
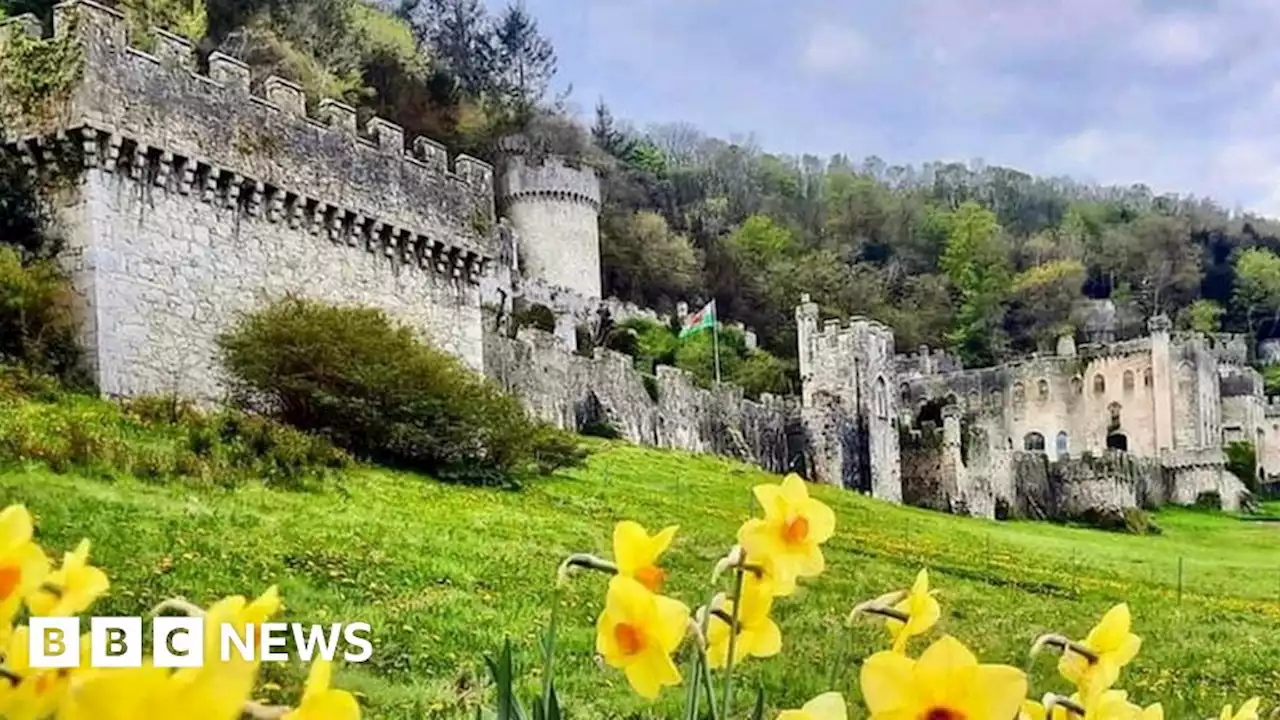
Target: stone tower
555 210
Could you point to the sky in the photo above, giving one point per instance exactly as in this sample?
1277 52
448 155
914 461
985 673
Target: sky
1182 96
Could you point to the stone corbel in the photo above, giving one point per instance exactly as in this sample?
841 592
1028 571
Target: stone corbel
188 176
210 190
113 153
357 229
255 198
89 147
438 254
234 188
459 263
335 225
276 210
375 236
166 166
295 213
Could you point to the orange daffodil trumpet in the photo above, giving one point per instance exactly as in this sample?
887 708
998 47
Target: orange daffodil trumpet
791 533
636 553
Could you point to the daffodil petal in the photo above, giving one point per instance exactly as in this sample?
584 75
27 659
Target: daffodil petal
827 706
822 520
887 682
673 622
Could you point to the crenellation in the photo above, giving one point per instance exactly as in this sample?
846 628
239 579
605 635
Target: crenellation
432 154
389 136
25 24
338 115
229 72
173 50
286 95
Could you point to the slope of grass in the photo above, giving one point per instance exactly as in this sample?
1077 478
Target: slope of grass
443 573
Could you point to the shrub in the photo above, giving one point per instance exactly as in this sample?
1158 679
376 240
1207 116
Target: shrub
1242 461
535 316
1208 500
600 429
37 329
371 387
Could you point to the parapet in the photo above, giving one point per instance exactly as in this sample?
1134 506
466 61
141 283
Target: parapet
156 111
928 362
551 179
1272 408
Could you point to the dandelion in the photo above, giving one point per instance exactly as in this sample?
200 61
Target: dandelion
758 635
946 683
827 706
791 532
320 702
636 552
637 633
70 589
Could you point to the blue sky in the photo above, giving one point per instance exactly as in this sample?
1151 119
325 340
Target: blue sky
1184 96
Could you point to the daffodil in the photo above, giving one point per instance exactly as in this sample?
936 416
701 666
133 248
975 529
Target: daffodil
70 589
827 706
946 683
636 552
1108 648
1248 711
790 534
321 702
32 693
1032 710
922 612
23 565
1153 712
118 694
1105 705
758 634
637 632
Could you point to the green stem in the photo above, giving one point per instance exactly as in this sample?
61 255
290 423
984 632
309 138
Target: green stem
702 673
733 636
706 683
548 655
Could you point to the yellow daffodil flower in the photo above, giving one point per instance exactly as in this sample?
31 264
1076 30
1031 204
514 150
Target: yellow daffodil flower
636 553
118 694
946 683
791 532
23 565
922 612
638 631
37 693
1153 712
827 706
1248 711
320 702
1032 710
70 589
1113 646
758 634
220 688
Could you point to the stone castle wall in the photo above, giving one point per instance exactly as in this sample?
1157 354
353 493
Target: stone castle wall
572 392
199 200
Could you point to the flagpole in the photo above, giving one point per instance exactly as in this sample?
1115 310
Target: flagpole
715 336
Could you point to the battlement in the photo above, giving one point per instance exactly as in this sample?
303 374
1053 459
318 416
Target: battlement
155 118
1272 408
928 362
551 179
834 330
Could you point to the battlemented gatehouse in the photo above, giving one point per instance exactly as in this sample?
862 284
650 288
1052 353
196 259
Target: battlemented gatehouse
191 192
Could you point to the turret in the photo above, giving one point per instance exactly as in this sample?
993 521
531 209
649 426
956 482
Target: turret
555 210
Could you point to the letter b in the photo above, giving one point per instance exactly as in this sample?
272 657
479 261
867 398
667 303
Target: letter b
54 642
115 642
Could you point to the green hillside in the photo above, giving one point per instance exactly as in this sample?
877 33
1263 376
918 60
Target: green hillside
443 573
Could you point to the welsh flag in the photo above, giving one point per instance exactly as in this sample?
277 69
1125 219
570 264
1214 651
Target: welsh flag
701 320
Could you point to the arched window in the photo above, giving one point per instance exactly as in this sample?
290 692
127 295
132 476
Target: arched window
904 393
975 400
1099 384
882 398
1019 393
1146 378
1128 381
953 400
1062 445
1077 385
1033 442
996 399
1042 388
1113 423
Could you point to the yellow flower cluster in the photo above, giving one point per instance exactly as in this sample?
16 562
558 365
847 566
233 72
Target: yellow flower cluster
216 691
640 629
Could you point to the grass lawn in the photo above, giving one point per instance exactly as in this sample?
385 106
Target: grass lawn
444 573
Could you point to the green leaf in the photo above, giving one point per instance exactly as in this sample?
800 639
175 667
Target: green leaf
758 713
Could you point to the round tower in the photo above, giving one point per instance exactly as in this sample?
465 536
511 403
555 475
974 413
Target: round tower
555 210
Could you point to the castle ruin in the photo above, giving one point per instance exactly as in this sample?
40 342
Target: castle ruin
197 195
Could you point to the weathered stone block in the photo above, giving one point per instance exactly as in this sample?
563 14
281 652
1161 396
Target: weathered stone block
286 95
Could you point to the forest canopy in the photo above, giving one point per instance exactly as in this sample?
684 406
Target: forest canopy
987 261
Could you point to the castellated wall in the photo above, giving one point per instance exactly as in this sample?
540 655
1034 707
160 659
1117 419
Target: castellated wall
556 209
572 391
199 200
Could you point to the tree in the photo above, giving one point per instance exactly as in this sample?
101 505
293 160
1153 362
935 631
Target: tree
976 264
461 38
645 262
524 60
1258 284
607 136
1044 298
1203 316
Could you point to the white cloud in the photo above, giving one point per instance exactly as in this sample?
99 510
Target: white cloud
835 49
1177 40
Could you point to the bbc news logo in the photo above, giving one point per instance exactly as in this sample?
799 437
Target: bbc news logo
179 642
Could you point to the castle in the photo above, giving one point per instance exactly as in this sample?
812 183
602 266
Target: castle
198 195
